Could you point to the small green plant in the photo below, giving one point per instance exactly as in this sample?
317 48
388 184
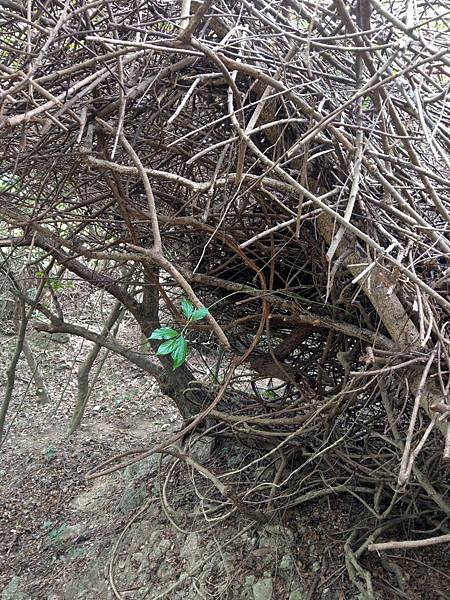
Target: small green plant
56 284
174 342
269 394
164 26
47 524
49 453
367 103
54 535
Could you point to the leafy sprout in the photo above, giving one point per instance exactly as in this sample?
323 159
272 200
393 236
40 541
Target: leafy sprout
366 103
174 342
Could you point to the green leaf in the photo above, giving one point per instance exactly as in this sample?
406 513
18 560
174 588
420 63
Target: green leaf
180 352
167 347
198 314
163 333
55 534
186 308
367 103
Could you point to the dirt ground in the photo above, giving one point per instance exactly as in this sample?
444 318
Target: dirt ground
42 475
41 470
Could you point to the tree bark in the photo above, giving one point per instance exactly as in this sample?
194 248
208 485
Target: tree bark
84 390
41 387
12 368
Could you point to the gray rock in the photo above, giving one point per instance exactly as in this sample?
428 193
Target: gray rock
166 572
312 549
297 594
286 562
160 550
227 562
263 588
247 588
142 468
12 591
277 537
90 582
190 547
144 567
133 498
71 532
92 499
200 448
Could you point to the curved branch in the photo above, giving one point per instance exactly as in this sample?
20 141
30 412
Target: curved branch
140 360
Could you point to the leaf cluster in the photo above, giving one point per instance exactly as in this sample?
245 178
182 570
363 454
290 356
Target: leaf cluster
174 342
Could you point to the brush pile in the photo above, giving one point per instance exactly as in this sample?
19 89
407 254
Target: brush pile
285 164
